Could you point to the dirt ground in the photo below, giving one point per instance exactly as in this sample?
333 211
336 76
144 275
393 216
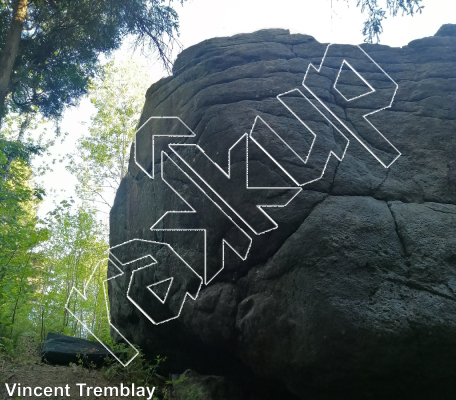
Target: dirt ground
29 370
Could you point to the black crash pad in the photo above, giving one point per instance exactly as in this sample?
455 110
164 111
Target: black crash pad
61 349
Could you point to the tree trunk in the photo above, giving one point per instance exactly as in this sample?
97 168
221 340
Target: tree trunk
10 50
19 294
15 305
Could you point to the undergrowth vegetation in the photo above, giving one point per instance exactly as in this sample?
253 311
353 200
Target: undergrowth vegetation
22 359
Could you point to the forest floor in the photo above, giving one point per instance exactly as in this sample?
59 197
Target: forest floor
27 369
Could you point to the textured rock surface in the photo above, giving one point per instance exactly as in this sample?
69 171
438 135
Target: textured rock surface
354 294
200 387
61 349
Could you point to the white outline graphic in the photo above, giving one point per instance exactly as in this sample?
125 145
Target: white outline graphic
372 90
192 134
227 174
147 266
365 115
163 301
193 211
290 148
174 147
84 296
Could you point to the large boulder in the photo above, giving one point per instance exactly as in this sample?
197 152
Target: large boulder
354 294
63 350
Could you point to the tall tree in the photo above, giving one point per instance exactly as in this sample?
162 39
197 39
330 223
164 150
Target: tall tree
75 246
50 48
41 266
101 158
11 46
19 236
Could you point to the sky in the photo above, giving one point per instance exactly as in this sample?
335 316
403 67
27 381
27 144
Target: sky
328 21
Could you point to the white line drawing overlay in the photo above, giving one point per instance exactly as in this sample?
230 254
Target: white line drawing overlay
153 262
306 160
171 280
311 68
345 62
188 134
178 151
228 175
191 210
75 292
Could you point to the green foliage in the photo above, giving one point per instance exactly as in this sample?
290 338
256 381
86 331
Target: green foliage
139 371
18 151
193 392
38 276
376 14
177 381
42 260
6 345
62 40
20 234
76 245
101 158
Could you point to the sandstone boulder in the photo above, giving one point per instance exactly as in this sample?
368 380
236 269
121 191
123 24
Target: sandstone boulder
354 294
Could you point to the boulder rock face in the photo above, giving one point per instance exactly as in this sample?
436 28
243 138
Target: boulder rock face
353 295
194 386
61 349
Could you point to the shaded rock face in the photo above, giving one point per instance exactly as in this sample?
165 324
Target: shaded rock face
354 294
199 387
61 349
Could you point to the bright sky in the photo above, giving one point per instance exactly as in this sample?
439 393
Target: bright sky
338 21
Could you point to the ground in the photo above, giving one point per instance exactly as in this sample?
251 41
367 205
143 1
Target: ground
26 367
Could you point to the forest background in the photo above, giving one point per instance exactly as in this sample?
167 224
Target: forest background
73 75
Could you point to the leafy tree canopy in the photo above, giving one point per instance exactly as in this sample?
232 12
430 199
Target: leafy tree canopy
101 157
61 40
376 14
